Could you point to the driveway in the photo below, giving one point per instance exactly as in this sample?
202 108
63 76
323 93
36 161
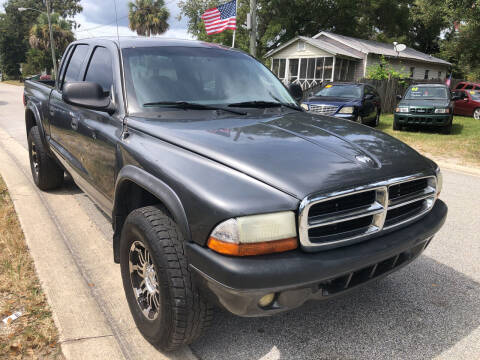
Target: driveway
430 309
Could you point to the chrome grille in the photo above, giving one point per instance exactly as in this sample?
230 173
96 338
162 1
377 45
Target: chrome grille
336 219
323 109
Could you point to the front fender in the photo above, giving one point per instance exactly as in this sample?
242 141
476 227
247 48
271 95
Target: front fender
156 187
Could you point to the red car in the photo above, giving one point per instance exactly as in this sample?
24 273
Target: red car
465 85
468 103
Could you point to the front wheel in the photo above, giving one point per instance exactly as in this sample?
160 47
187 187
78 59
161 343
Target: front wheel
46 173
476 114
447 129
376 122
396 125
166 306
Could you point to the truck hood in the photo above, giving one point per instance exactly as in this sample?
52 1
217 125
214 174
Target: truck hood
295 152
425 103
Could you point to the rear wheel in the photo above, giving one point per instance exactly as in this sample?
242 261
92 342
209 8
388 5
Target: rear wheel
476 114
163 300
46 173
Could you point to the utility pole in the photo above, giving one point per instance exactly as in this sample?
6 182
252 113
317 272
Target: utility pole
52 44
253 30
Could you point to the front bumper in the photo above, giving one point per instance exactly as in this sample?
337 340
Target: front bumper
423 119
237 284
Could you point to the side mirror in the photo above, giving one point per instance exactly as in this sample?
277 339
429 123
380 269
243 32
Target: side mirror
368 97
296 91
465 99
87 94
399 97
311 94
455 97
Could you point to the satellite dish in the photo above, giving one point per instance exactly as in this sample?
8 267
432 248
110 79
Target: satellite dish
400 47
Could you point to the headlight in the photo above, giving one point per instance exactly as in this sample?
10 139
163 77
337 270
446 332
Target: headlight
346 110
439 181
304 106
255 235
401 109
442 111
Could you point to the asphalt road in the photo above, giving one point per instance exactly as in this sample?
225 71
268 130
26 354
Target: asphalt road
430 309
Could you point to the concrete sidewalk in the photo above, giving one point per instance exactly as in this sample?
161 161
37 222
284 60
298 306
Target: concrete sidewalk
75 265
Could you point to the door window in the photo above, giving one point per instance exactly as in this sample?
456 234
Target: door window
468 87
75 64
100 68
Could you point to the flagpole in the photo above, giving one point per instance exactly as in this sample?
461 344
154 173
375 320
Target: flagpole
234 31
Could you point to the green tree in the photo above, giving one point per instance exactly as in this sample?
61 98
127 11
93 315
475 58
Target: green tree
148 17
15 29
460 45
40 36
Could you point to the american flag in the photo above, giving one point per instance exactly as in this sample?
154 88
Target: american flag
221 18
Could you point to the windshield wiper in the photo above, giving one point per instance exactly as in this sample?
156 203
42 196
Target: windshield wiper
189 105
263 104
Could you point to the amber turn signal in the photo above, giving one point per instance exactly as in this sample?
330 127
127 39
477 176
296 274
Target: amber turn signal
249 249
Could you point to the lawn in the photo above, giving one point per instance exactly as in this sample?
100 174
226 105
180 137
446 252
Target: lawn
462 146
13 82
33 335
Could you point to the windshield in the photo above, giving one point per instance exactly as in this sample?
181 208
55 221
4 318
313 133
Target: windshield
426 92
343 91
205 76
475 95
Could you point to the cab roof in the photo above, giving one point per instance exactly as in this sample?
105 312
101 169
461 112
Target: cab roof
124 42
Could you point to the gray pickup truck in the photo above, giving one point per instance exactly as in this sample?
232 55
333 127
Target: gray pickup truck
220 188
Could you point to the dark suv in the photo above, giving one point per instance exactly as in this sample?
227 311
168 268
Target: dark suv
220 188
353 101
425 105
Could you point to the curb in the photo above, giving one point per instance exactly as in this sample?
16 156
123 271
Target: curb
74 263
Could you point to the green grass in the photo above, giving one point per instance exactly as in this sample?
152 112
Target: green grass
461 146
13 82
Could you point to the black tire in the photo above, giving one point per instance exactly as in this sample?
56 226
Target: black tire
447 129
182 314
46 172
396 125
376 122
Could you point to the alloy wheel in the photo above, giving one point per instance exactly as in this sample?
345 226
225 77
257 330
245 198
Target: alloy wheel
35 162
144 280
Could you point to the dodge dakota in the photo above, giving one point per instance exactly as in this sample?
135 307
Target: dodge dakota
220 188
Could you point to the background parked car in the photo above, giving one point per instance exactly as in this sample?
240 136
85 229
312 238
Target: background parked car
465 85
468 103
352 101
427 105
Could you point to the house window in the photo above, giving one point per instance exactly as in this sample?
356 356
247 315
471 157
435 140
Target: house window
301 46
275 66
327 75
319 69
293 69
426 74
412 71
281 70
303 69
439 75
311 69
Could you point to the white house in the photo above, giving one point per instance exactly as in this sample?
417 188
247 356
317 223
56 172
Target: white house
332 57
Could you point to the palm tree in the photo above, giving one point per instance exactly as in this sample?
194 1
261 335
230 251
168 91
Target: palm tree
40 36
148 17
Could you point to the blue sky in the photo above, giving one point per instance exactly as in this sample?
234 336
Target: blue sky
98 19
